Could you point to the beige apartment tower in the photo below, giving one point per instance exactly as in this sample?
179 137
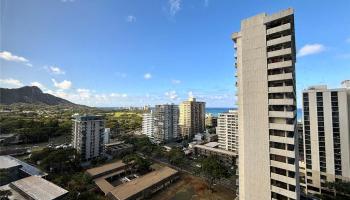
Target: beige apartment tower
268 143
326 136
192 118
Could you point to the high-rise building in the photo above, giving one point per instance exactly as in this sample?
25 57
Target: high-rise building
326 136
148 125
210 120
268 143
227 131
300 128
88 135
166 123
192 118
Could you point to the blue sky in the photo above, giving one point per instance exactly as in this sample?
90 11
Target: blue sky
133 52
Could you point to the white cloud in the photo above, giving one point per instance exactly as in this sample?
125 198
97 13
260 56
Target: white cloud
171 94
174 81
174 6
37 84
84 93
62 85
8 56
55 70
147 76
10 82
310 49
118 95
190 94
131 18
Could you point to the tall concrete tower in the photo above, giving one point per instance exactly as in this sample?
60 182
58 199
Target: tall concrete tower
268 143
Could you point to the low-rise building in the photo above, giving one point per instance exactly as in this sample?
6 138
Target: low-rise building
228 158
118 148
116 184
37 188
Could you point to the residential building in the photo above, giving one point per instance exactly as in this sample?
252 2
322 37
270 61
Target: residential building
210 120
227 131
118 148
268 143
228 158
106 135
88 135
326 136
192 118
148 125
301 141
166 123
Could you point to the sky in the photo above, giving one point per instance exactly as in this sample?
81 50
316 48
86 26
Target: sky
137 52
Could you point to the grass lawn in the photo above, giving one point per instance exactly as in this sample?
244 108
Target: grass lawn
190 187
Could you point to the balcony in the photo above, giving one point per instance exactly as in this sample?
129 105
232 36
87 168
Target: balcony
281 52
280 40
289 102
284 192
278 29
282 127
278 77
285 140
281 89
280 64
281 152
284 179
282 114
286 166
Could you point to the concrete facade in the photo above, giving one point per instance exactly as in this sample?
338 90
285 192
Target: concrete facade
166 123
148 125
268 144
192 118
88 135
326 136
227 131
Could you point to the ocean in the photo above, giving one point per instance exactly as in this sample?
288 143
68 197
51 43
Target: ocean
215 111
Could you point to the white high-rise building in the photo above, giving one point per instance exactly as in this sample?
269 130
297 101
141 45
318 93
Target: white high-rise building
148 125
227 131
268 143
326 136
166 123
88 135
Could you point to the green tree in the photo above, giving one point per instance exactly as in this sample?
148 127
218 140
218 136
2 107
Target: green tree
176 157
213 170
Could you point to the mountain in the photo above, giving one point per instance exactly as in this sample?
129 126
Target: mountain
30 95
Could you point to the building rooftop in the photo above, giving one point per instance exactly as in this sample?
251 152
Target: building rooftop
87 117
105 168
212 144
215 150
7 162
137 185
38 188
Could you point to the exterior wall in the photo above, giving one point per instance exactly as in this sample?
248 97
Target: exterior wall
327 136
88 136
227 131
265 57
166 119
148 125
192 118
